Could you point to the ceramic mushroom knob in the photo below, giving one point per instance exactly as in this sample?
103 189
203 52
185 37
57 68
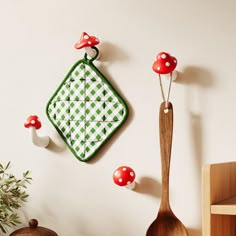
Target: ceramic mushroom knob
124 176
33 123
165 64
87 42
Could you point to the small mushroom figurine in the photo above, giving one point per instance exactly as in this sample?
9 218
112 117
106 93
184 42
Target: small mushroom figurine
165 64
33 123
87 42
124 176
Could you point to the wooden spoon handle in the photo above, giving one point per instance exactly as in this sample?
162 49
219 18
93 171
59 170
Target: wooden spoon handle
166 131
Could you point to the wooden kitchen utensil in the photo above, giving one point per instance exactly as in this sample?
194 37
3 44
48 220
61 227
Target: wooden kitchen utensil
166 223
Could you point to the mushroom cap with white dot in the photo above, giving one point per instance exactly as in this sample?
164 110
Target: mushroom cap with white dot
123 175
163 55
86 41
164 64
167 63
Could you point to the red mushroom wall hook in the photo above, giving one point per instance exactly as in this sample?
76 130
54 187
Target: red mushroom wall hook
88 43
165 64
124 176
33 123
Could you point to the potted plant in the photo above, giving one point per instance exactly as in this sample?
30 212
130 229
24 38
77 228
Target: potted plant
12 196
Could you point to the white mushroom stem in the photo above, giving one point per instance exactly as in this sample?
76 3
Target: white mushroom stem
91 52
131 185
40 141
167 76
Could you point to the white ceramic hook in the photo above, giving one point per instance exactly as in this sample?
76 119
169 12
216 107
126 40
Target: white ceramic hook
92 53
173 76
33 123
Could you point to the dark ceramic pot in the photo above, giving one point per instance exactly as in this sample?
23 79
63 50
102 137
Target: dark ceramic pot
33 230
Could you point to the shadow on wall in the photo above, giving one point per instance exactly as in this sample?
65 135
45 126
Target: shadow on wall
198 76
110 53
150 186
198 81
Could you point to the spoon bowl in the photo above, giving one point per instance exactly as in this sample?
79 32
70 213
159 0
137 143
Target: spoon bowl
166 224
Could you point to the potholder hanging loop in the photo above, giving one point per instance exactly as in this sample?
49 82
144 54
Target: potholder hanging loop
95 56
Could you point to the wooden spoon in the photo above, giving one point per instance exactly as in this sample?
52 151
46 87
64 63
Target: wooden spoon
166 223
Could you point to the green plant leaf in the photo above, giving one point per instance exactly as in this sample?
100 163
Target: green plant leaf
12 195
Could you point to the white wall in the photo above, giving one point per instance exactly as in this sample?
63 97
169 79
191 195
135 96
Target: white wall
37 50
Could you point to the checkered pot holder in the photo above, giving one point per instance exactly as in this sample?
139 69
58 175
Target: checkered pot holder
85 109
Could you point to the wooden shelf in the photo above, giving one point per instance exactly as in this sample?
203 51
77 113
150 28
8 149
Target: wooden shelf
219 199
225 207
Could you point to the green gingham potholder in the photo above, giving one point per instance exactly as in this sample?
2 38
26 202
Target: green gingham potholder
85 109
